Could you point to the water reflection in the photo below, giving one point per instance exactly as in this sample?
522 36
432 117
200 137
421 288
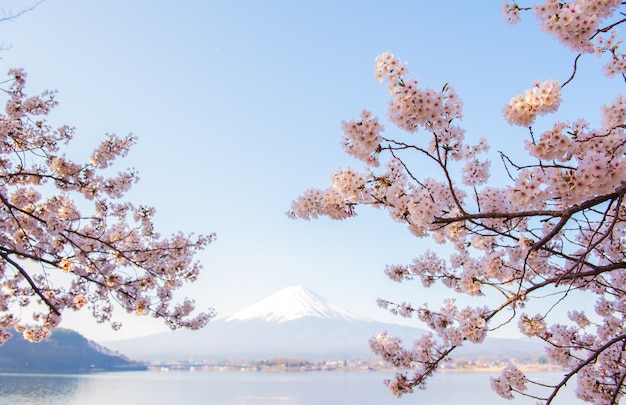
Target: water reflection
32 388
249 388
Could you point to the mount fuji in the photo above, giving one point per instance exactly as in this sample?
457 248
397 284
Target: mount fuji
294 322
292 303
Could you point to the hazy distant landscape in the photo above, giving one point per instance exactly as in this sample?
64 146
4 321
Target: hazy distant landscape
281 350
291 348
291 330
296 323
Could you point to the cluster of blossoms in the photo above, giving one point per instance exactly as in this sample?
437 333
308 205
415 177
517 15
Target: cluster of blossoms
611 44
53 257
590 161
511 12
543 98
317 202
412 107
558 227
574 23
534 326
362 138
577 25
423 357
511 379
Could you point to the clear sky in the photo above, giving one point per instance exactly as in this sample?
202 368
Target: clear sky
237 106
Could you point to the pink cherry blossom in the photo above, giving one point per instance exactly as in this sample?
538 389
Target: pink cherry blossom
554 234
68 240
511 379
362 138
542 99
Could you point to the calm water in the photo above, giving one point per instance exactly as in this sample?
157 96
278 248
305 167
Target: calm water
245 388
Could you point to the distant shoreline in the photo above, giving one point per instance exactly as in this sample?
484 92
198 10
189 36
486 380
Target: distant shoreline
303 366
525 368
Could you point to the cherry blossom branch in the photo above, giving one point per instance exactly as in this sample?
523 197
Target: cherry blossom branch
589 360
558 228
31 282
566 213
96 250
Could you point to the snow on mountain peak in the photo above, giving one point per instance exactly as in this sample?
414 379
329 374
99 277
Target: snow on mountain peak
291 303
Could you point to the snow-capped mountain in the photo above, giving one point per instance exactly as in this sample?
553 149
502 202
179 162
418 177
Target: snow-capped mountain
291 303
294 322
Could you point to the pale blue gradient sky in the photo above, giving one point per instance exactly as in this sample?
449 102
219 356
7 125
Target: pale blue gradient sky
237 106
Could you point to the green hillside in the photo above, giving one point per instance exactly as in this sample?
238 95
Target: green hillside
65 351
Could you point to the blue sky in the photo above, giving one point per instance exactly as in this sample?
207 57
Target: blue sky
237 106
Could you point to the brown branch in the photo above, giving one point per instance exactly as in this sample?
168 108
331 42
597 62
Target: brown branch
573 72
584 363
32 283
619 192
6 251
609 27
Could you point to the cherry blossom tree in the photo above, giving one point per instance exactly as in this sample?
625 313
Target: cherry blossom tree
68 240
557 229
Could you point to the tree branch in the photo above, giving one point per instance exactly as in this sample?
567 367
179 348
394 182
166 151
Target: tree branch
31 282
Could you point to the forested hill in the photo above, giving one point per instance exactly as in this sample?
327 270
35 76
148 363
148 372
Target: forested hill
65 351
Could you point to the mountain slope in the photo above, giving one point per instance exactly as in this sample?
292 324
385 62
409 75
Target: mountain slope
307 337
64 351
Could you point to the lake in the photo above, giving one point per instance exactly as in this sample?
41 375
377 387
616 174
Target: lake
247 388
